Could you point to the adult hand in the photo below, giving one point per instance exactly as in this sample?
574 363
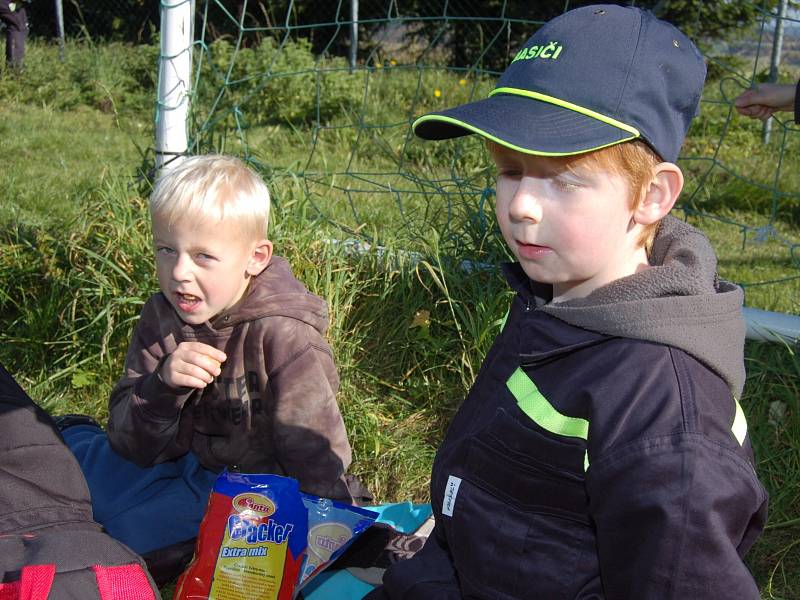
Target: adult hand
193 364
762 101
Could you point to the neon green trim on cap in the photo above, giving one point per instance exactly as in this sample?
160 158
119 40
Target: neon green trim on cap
569 106
634 133
488 136
538 408
739 427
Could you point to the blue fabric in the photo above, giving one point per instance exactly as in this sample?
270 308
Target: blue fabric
336 585
405 517
154 507
145 508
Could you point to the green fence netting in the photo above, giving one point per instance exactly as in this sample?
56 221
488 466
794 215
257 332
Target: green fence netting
276 84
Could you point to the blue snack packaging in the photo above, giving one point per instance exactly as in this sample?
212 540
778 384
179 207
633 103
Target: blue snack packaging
332 527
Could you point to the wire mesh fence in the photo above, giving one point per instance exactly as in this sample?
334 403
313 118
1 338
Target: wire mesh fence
274 83
291 75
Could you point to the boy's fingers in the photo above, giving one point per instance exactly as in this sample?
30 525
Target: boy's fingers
210 351
199 361
189 381
184 378
201 349
192 375
210 364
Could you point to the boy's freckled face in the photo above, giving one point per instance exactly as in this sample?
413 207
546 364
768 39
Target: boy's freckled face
202 267
567 227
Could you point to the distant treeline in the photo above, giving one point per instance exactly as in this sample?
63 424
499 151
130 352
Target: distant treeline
468 30
135 21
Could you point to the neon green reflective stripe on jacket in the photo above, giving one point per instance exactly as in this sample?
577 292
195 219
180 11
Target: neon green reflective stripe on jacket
739 427
538 408
568 105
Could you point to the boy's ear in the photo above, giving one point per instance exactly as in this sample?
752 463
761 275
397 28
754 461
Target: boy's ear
259 257
661 195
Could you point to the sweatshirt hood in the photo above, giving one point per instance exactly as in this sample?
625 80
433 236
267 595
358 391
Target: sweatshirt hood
679 301
275 292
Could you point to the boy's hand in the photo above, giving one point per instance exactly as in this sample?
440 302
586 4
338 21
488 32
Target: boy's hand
762 101
193 364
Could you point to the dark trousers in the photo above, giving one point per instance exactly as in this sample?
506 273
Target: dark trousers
16 31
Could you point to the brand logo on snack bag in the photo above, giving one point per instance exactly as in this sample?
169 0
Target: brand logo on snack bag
255 503
255 531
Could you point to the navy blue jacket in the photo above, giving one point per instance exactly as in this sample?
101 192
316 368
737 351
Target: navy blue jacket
588 466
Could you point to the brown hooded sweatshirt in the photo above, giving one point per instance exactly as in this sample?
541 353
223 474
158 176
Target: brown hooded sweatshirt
272 409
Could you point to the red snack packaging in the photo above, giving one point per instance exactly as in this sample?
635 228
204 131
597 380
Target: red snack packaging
252 541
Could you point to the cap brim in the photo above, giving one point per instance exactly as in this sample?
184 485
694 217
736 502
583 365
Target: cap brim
523 124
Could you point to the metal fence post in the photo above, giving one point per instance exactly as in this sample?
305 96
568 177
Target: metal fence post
174 81
775 60
60 27
353 33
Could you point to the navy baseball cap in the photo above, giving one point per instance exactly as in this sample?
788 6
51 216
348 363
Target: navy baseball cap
592 77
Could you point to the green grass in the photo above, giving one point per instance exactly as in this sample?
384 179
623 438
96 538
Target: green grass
409 337
54 158
772 404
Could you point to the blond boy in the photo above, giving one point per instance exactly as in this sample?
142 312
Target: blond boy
228 367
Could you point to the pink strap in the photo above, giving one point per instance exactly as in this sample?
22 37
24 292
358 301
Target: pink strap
9 591
34 584
126 582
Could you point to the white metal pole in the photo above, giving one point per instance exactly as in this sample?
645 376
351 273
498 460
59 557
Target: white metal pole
771 326
60 27
775 60
174 81
353 33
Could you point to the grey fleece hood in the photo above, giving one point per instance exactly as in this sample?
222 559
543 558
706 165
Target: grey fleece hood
679 301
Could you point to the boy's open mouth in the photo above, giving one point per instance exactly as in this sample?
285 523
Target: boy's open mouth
186 302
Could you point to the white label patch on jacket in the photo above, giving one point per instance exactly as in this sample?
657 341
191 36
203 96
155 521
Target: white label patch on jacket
450 493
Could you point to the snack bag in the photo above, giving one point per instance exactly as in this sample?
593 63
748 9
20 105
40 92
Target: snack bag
252 541
332 527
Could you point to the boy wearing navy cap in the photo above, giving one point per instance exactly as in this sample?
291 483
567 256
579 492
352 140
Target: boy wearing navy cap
602 451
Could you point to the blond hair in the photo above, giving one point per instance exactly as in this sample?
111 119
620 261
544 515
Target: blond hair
213 188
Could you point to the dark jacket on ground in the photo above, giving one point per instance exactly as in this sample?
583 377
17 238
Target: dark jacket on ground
46 513
601 452
272 409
